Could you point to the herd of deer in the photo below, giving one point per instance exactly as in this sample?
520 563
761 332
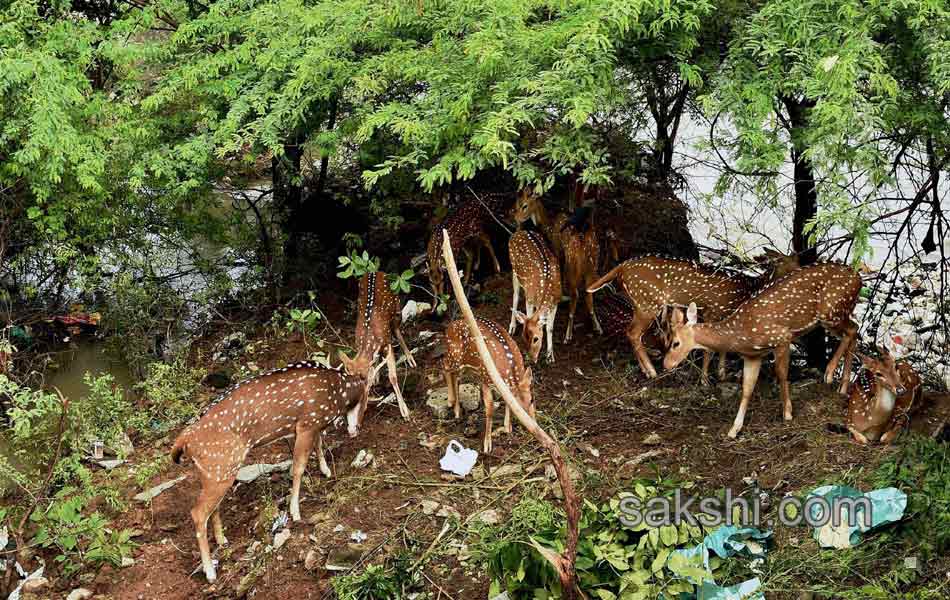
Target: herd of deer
725 312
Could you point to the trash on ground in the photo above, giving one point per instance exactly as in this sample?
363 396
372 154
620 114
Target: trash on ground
249 473
887 505
358 536
151 493
364 458
693 564
458 459
280 522
36 576
281 538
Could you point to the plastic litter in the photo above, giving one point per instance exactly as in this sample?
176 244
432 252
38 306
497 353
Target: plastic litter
458 459
249 473
841 530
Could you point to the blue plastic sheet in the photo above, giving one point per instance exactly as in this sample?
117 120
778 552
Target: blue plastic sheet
870 510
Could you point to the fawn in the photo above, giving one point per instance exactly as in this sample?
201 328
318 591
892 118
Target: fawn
654 283
461 352
528 206
465 224
881 398
534 267
299 400
770 321
581 252
379 318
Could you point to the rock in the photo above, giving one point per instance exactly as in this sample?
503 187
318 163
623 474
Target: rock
429 507
317 518
488 517
448 511
343 559
249 473
151 493
35 585
413 309
438 400
310 561
364 458
281 538
127 561
108 465
589 448
653 439
508 470
79 594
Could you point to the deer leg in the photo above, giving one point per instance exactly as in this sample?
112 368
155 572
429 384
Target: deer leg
218 527
722 366
507 419
852 333
491 251
211 494
489 410
303 444
846 334
589 299
452 384
394 380
570 316
707 358
750 374
857 435
782 355
405 348
324 467
515 290
635 330
552 312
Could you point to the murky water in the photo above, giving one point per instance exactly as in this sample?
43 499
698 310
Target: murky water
86 356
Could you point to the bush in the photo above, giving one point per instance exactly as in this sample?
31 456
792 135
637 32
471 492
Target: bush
168 391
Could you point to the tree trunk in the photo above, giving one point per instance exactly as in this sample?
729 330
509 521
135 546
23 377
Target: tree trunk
806 209
288 197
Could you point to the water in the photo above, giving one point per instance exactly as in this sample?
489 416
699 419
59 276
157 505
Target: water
86 356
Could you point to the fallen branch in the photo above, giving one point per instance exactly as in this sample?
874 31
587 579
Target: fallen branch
563 563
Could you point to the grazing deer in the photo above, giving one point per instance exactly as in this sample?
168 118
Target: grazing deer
881 398
823 294
581 252
653 283
379 318
466 225
535 268
461 352
299 400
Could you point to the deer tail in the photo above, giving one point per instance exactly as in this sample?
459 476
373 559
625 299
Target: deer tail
610 276
178 449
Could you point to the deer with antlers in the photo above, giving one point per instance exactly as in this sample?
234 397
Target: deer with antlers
654 283
535 269
299 400
466 226
823 294
881 398
378 319
461 353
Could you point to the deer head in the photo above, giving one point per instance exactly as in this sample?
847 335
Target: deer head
778 263
526 206
884 370
533 332
682 336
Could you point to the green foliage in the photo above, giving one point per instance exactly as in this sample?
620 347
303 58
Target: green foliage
78 538
168 394
613 561
392 580
356 265
400 282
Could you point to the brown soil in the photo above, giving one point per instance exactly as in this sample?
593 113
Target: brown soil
592 397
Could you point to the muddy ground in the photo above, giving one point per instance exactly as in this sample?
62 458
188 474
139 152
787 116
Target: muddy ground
593 399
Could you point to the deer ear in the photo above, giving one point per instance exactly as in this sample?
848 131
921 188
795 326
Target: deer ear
691 313
527 376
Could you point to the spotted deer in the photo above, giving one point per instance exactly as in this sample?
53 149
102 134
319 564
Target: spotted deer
535 269
581 251
881 398
461 353
299 400
823 294
380 316
654 283
528 206
615 312
466 225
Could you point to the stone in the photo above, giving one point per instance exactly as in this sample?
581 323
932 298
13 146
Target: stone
364 458
281 538
79 594
151 493
488 517
35 585
508 470
343 559
653 439
310 561
438 400
127 561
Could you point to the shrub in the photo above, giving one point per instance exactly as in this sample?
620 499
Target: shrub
168 391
